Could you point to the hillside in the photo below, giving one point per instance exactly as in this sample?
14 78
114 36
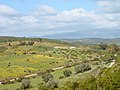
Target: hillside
49 64
93 41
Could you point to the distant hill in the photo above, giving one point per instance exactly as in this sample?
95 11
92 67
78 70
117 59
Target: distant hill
93 41
12 39
63 41
94 33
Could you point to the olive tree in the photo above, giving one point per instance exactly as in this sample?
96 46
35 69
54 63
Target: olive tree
82 67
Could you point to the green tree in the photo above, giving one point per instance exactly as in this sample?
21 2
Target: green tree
103 46
51 84
112 48
82 67
47 76
67 73
25 83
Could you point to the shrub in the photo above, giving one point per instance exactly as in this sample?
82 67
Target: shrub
5 89
113 48
22 43
30 43
47 76
52 84
42 86
25 83
103 46
67 73
106 79
61 77
81 68
71 86
17 88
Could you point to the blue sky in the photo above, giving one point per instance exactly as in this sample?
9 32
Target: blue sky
27 5
87 18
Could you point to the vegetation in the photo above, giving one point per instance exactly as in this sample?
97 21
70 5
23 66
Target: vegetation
47 77
67 73
81 68
103 46
44 64
25 83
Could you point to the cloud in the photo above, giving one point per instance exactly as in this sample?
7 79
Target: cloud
44 10
46 20
6 10
110 6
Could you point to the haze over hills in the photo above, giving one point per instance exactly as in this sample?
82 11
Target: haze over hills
106 33
93 41
77 41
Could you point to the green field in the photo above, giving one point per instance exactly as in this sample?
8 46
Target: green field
20 57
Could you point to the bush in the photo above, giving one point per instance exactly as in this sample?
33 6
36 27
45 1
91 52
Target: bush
106 79
42 86
47 76
5 89
67 73
113 48
81 68
103 46
52 84
61 77
17 88
25 83
30 43
71 85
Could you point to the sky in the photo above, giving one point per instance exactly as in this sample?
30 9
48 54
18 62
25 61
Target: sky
63 18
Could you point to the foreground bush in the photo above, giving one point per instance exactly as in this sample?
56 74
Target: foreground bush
51 84
42 86
108 79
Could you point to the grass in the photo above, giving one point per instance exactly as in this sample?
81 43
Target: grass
14 63
20 64
36 81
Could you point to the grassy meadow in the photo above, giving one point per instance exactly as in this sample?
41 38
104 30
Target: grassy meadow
81 67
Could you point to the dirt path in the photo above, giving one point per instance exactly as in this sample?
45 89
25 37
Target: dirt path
57 68
31 75
111 64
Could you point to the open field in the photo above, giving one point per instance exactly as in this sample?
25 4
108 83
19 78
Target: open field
32 58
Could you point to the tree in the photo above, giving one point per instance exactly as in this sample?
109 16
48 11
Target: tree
25 83
103 46
52 84
41 39
47 76
30 42
81 68
67 73
22 43
112 48
42 86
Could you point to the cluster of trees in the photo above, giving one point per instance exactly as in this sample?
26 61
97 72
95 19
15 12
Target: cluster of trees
107 79
82 68
112 48
23 43
26 84
49 82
